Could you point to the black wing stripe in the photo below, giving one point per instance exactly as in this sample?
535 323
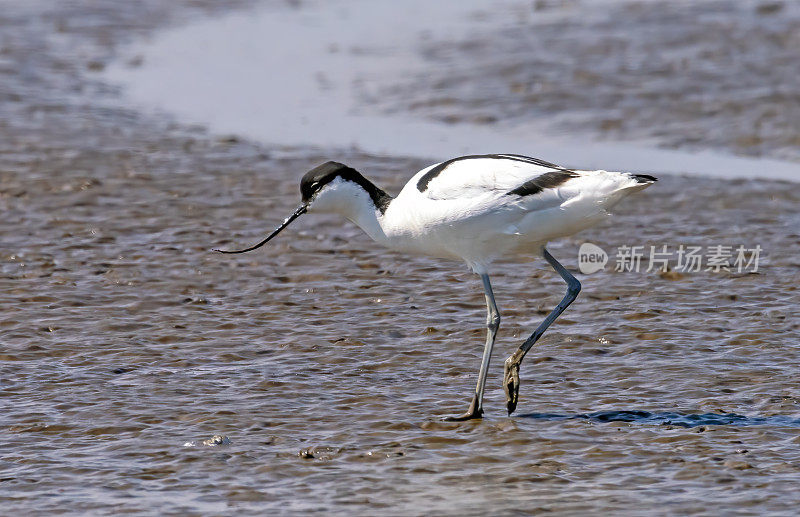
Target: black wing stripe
547 180
426 178
422 183
535 161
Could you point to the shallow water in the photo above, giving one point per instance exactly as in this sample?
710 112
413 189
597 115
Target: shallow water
324 364
328 363
478 77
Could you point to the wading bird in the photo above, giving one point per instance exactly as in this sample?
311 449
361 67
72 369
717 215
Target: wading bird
476 209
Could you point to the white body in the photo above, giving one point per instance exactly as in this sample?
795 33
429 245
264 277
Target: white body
467 213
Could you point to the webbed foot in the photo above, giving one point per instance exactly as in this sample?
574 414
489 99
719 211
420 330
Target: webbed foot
511 380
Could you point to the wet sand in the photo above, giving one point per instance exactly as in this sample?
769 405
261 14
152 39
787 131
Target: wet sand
326 363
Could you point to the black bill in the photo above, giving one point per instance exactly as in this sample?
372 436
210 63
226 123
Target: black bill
297 213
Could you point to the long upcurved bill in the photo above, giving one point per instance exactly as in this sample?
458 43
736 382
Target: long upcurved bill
297 213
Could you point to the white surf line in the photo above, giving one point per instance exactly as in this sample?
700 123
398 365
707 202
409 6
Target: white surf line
296 77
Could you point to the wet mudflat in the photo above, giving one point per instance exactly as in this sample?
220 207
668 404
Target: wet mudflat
714 74
324 364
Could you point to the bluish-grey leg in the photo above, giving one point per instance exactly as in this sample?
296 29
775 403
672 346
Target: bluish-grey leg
492 324
511 367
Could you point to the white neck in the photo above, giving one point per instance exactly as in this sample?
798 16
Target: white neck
352 201
368 218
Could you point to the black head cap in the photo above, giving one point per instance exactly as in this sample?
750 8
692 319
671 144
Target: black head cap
320 176
314 180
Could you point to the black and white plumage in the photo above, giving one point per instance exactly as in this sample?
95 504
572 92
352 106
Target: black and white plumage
477 209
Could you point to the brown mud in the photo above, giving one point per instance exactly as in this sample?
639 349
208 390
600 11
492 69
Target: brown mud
142 373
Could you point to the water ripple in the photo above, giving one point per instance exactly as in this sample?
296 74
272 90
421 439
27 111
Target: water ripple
671 418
